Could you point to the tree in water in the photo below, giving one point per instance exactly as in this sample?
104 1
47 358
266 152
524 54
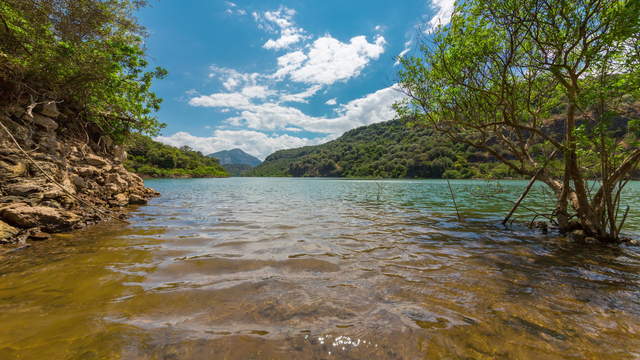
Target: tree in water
524 79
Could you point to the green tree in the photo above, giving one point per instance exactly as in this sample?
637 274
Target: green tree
493 78
87 55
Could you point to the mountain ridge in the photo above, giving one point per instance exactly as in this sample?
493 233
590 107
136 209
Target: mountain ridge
235 157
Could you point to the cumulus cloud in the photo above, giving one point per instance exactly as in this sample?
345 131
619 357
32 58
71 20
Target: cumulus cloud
301 97
280 21
232 79
253 142
372 108
444 10
331 101
329 60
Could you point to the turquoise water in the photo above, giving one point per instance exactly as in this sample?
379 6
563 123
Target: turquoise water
248 268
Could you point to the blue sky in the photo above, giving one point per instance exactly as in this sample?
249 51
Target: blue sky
268 75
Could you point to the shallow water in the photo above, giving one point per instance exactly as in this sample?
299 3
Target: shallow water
246 268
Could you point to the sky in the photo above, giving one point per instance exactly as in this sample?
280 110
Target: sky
265 75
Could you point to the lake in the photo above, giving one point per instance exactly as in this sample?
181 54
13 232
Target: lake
275 268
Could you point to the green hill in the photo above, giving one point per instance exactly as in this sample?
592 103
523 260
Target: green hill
393 149
150 158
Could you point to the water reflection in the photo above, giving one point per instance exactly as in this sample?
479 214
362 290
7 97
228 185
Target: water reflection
315 269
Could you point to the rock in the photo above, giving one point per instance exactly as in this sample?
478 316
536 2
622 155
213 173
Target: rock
137 200
111 189
21 133
49 143
578 235
16 111
116 180
45 122
41 216
49 109
12 169
39 236
7 232
591 240
87 171
121 199
95 160
23 188
78 181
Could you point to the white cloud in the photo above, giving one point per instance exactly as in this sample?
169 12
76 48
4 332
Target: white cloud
232 79
444 10
253 142
375 107
407 48
257 92
331 101
223 100
330 60
280 21
301 97
232 8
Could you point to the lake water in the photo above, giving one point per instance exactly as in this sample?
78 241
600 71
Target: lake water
245 268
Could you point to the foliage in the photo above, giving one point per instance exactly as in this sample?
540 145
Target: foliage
498 74
86 54
237 169
394 149
151 158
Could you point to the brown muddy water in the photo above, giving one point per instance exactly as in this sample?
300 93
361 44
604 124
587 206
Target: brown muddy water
322 269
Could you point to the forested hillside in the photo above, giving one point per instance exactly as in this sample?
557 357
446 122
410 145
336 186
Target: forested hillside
151 158
394 149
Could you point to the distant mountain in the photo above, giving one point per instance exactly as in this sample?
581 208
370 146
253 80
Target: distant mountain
235 157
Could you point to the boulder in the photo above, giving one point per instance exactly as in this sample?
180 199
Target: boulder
115 179
49 109
95 160
578 235
40 216
16 111
23 188
120 199
135 199
45 122
78 181
12 169
7 232
39 236
87 171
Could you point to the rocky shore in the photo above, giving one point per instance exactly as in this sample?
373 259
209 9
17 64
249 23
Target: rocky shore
54 180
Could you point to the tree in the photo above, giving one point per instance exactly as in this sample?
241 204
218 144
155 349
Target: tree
494 77
88 55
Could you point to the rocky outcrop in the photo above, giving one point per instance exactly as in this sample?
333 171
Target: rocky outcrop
60 182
